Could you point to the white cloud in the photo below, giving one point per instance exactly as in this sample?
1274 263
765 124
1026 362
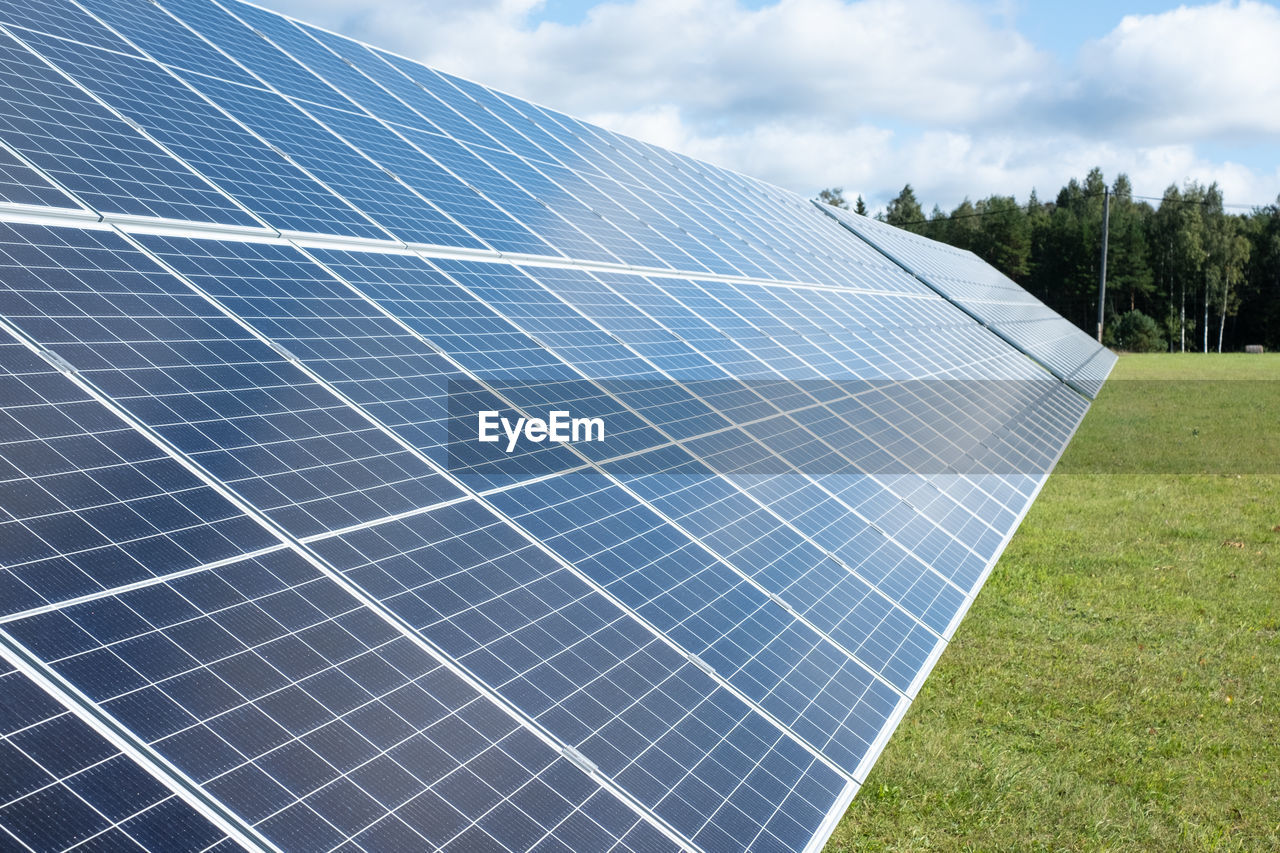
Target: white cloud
871 94
920 60
1188 74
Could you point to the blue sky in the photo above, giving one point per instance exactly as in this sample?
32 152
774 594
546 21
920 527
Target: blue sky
959 97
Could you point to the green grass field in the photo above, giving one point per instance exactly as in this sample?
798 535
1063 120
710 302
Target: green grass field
1116 685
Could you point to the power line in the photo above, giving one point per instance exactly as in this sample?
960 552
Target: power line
1164 200
1027 207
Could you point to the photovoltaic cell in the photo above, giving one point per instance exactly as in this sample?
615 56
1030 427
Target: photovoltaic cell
350 343
263 60
590 221
700 603
314 720
783 562
362 92
63 784
591 295
516 200
300 137
521 299
165 39
59 17
20 184
232 403
91 152
642 712
995 300
452 123
87 504
226 153
484 343
417 220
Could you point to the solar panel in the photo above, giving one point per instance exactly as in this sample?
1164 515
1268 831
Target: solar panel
994 300
64 785
95 154
22 185
268 184
262 585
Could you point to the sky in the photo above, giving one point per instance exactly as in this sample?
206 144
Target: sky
957 97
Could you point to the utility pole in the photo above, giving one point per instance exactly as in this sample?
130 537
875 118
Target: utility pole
1102 276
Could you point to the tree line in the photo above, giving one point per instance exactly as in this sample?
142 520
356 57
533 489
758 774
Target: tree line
1183 274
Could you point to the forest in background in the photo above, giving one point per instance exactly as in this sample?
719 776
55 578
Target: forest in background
1183 271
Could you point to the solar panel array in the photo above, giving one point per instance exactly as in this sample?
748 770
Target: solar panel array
994 300
260 588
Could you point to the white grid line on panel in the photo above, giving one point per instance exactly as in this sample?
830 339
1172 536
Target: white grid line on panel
141 132
542 547
370 601
131 746
331 665
228 115
358 109
662 372
337 577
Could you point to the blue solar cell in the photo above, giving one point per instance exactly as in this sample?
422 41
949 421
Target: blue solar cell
367 62
731 357
309 717
684 248
548 148
519 298
20 184
64 784
485 344
479 113
993 299
708 609
506 217
593 296
353 344
331 160
617 246
689 311
528 203
94 154
87 503
166 40
244 44
329 67
419 219
916 587
562 653
421 79
203 136
764 546
60 18
243 411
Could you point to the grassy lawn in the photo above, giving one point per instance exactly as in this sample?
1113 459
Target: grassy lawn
1116 686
